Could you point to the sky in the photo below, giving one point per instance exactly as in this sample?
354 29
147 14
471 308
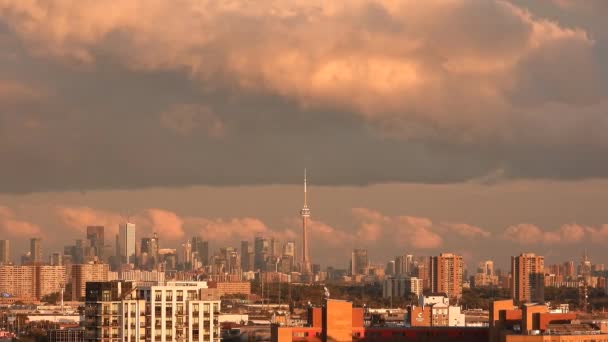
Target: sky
475 127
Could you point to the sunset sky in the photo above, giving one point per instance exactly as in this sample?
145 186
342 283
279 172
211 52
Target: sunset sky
475 127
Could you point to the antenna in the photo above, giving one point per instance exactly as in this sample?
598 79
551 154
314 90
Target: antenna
305 202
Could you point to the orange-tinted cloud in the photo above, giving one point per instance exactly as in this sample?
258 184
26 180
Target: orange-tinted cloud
167 224
527 234
467 230
14 227
414 68
78 218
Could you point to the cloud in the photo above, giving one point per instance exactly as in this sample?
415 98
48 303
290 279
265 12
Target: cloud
528 234
493 90
14 227
185 119
409 231
12 92
167 224
78 218
467 230
380 61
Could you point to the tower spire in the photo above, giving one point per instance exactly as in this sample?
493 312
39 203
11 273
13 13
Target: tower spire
305 199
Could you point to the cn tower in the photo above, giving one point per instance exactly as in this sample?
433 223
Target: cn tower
305 212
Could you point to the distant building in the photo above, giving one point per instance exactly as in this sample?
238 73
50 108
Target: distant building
528 280
83 273
36 250
261 251
31 281
359 262
5 252
485 275
95 236
447 274
245 266
126 243
401 286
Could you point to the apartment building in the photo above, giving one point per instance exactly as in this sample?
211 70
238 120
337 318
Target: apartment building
31 281
179 311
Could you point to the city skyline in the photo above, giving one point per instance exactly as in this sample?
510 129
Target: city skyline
426 127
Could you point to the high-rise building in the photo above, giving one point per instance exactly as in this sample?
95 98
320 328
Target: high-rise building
568 270
527 271
274 248
305 213
126 242
5 252
57 259
401 287
179 311
149 252
390 268
404 265
201 248
485 274
36 250
245 256
187 254
261 252
447 274
83 273
359 262
95 235
289 249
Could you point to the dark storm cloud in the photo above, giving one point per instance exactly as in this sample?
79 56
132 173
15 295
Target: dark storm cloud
96 95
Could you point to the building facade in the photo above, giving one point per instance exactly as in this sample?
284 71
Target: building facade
35 250
31 281
528 282
126 242
446 274
5 252
401 287
83 273
179 311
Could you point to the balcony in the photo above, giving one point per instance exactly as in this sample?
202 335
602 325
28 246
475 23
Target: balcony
195 313
180 298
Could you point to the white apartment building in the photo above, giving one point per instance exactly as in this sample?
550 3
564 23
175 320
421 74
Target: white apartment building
178 311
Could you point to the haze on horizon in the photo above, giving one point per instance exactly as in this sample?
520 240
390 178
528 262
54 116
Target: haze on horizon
470 126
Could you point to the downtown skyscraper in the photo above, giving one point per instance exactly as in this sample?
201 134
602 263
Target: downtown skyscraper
5 251
126 242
